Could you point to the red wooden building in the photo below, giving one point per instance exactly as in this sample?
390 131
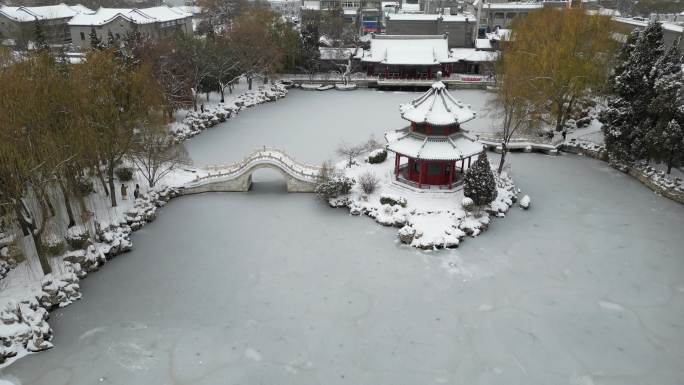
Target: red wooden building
437 151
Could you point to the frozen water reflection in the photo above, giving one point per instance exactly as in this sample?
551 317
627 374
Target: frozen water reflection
266 287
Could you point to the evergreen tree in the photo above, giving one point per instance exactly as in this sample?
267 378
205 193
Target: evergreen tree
628 119
95 42
479 184
667 108
41 44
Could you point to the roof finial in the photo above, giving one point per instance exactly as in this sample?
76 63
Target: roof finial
439 76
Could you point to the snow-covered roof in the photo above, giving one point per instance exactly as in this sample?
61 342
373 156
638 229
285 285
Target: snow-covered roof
513 5
48 12
473 55
431 17
499 34
331 53
643 23
408 50
410 8
483 44
437 107
138 16
454 147
311 5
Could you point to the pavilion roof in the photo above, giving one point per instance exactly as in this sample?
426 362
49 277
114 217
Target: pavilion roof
437 107
453 147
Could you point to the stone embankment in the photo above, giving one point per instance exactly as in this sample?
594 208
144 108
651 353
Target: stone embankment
196 122
656 180
24 325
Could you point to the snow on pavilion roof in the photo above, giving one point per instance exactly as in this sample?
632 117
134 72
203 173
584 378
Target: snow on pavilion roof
408 50
437 107
454 147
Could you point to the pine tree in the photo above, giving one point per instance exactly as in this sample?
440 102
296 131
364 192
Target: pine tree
95 42
41 41
627 118
667 109
479 184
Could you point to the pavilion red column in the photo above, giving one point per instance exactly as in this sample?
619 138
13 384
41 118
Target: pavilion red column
469 159
421 177
429 72
463 164
451 173
386 72
396 165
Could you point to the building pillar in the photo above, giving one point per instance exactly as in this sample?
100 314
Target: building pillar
421 176
469 159
396 165
463 164
451 173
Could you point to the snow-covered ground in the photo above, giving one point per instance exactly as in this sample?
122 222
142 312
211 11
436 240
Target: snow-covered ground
428 219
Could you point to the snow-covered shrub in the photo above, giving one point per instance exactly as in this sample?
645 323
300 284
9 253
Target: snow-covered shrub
52 244
84 186
377 156
479 184
467 204
583 122
77 237
124 174
368 182
334 186
392 200
525 202
406 234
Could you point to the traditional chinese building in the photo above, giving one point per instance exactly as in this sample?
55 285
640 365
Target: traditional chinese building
408 56
437 150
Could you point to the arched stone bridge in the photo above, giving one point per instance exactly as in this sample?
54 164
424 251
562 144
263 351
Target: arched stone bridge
299 177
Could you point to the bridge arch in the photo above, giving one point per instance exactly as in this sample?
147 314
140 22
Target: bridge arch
299 177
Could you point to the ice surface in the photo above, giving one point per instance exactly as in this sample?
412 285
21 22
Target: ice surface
268 287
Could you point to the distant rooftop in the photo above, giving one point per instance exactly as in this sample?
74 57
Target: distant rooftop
49 12
137 16
431 17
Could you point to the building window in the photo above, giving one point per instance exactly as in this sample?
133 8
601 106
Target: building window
82 36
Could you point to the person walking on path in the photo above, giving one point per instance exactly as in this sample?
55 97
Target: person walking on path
124 191
136 192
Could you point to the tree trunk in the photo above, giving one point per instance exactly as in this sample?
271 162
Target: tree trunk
44 263
102 180
669 163
223 99
110 174
504 151
559 121
249 83
50 208
67 204
25 227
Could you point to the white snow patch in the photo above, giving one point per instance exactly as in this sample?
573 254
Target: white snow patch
252 354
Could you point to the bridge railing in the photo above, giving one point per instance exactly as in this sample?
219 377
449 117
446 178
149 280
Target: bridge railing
303 170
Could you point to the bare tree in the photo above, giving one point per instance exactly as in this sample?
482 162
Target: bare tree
351 151
156 154
368 182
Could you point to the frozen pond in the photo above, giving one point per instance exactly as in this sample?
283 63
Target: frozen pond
271 288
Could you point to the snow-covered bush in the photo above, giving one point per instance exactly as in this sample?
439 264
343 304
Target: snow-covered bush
84 186
334 186
77 237
525 202
52 244
479 184
467 204
392 200
377 156
124 174
368 182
